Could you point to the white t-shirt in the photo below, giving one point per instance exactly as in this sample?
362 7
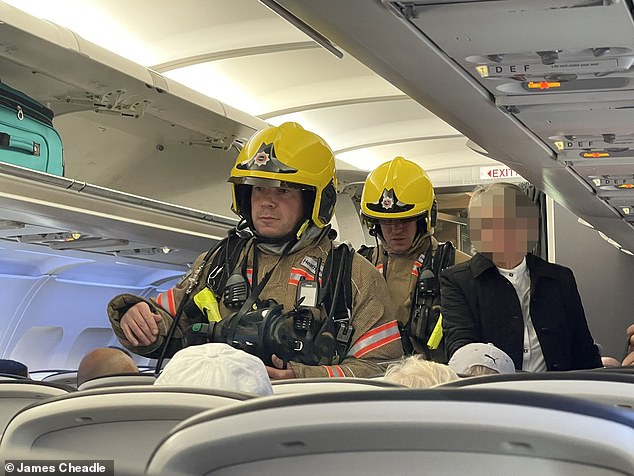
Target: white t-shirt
519 277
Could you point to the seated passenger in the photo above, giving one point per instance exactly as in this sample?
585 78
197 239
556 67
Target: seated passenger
13 368
416 372
105 361
477 359
528 307
629 359
217 366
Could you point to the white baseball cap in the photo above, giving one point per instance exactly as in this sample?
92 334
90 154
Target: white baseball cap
217 366
479 353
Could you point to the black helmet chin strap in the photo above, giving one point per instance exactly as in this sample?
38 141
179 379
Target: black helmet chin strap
259 286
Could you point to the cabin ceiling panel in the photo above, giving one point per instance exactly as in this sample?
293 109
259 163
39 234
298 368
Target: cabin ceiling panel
150 33
431 155
353 125
276 81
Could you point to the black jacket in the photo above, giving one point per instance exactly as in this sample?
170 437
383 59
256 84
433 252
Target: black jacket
481 305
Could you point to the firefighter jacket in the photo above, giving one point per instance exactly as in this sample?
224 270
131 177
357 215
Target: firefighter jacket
401 273
375 339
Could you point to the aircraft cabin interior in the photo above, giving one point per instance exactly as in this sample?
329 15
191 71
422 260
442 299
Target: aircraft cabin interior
154 100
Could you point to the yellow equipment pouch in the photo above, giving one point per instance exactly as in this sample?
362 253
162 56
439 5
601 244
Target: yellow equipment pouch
436 335
206 302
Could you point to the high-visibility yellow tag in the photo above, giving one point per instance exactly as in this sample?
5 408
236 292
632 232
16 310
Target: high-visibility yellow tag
206 302
436 335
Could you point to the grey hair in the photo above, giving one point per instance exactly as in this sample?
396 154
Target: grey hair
478 370
416 372
520 194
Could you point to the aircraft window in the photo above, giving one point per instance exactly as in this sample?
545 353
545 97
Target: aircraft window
118 274
88 339
36 346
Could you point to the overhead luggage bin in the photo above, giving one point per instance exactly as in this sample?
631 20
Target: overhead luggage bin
146 158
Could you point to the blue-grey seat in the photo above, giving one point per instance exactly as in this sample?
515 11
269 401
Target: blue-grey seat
613 388
432 431
316 385
120 423
17 393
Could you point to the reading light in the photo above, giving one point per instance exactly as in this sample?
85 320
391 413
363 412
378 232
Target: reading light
609 240
581 221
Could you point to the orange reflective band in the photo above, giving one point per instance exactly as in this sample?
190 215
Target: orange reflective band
171 305
416 267
170 302
334 369
299 273
375 338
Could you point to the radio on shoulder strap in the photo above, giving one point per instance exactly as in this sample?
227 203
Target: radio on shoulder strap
424 324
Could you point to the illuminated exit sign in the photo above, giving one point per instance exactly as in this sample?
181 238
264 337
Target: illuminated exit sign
497 172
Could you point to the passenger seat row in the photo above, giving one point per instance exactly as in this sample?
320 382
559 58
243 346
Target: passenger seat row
330 427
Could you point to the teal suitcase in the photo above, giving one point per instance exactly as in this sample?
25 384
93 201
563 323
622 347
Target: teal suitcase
27 135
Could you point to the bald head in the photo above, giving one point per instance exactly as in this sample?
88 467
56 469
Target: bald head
104 361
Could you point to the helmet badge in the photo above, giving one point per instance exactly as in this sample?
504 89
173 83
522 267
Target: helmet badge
261 158
265 160
389 203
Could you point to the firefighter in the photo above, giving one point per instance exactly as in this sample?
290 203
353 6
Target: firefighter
284 190
398 205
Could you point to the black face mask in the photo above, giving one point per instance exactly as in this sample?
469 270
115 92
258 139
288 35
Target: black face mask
298 335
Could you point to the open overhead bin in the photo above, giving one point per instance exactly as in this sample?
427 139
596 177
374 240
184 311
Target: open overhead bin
146 159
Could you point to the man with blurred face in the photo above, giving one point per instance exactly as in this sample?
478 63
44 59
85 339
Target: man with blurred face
502 228
505 295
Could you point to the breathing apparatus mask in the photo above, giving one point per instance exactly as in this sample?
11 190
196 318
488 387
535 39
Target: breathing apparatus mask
301 334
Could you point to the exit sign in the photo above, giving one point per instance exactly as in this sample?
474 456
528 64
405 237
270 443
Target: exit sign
497 172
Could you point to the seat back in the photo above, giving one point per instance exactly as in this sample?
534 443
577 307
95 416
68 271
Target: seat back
613 388
16 393
120 423
319 385
64 377
121 380
440 431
